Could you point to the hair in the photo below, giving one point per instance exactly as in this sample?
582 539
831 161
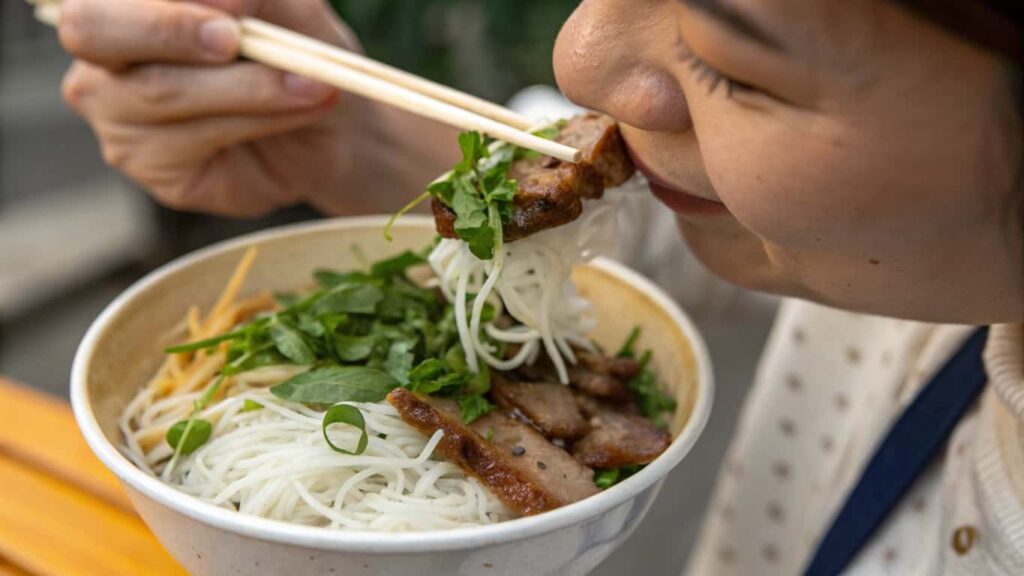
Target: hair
991 24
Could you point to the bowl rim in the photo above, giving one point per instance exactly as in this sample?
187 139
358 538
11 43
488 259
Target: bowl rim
381 542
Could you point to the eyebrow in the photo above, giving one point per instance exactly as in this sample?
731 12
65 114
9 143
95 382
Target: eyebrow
738 21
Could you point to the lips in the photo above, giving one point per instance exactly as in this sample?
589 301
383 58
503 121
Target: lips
677 200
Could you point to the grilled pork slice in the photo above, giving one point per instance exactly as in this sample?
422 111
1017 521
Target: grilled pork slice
551 192
617 438
622 368
548 406
518 465
597 384
534 456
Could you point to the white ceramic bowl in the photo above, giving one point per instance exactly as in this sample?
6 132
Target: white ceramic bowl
122 348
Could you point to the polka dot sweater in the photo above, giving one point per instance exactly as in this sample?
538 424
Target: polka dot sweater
829 385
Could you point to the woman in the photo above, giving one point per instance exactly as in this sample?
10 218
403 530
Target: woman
864 155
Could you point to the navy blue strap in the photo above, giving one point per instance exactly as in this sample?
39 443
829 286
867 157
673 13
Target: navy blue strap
907 449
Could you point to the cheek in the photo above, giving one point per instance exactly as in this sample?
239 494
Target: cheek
827 188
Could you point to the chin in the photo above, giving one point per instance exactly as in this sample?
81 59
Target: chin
736 255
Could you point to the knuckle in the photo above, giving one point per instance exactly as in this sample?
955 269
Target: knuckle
75 32
74 88
152 85
177 29
260 84
115 156
173 197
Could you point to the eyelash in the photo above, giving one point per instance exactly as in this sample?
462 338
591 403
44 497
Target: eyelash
704 72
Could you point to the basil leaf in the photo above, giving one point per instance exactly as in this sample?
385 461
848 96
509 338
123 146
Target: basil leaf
396 264
345 414
311 325
251 405
336 384
473 407
349 298
353 348
290 343
191 433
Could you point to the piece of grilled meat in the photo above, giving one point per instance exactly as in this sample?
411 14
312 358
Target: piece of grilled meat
551 192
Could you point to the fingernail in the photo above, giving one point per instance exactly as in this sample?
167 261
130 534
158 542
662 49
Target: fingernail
305 89
219 37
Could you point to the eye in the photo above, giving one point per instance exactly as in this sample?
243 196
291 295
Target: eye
710 76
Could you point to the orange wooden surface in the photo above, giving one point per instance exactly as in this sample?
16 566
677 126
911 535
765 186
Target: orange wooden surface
61 512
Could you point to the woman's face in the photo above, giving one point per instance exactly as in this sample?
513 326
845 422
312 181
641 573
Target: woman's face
844 151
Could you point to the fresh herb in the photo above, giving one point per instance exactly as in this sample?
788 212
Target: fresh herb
194 431
396 265
290 343
473 407
653 402
626 351
336 384
400 359
251 405
352 298
362 333
606 478
202 344
480 193
346 414
353 348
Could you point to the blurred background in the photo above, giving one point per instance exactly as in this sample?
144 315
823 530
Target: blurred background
74 233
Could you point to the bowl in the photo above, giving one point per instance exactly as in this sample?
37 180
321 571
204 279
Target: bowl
123 347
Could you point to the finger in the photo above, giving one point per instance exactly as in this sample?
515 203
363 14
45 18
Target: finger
234 183
170 92
156 155
116 33
311 17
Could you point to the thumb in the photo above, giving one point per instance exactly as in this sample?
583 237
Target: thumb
313 18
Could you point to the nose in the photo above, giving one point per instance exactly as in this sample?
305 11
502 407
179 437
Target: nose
613 56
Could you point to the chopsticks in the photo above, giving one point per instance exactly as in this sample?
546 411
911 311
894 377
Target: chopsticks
293 52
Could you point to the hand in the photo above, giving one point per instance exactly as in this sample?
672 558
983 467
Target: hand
159 84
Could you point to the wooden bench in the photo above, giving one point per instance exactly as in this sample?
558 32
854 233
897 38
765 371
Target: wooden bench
61 511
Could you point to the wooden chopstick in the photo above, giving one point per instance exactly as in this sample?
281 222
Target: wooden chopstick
387 73
293 52
362 84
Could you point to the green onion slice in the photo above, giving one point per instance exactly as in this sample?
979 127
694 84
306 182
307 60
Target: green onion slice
346 414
